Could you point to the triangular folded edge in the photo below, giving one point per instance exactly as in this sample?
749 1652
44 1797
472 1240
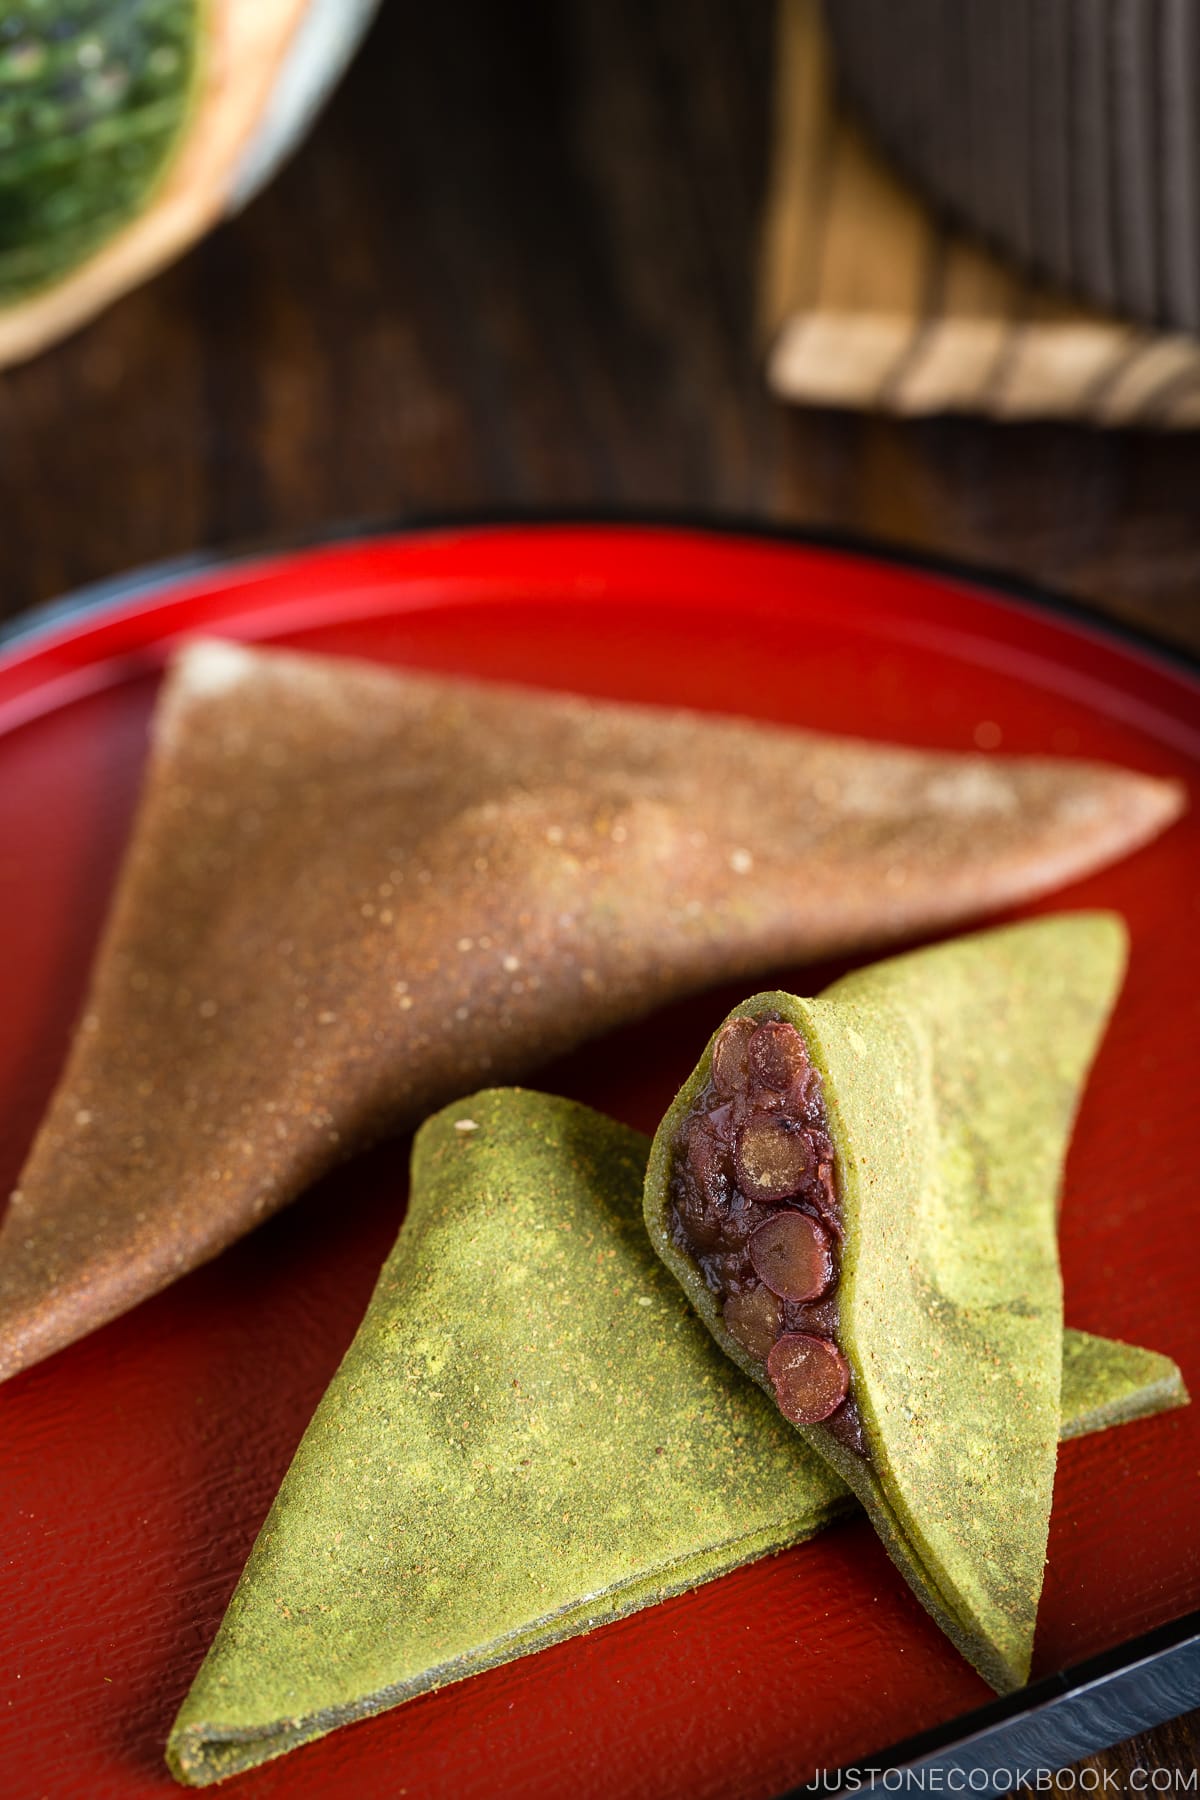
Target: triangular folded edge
1106 1383
609 1456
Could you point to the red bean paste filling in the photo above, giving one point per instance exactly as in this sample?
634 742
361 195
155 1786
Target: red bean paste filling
754 1205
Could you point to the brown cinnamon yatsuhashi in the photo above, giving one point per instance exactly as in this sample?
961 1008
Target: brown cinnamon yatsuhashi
352 894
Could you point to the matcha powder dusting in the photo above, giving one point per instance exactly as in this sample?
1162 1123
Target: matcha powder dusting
532 1433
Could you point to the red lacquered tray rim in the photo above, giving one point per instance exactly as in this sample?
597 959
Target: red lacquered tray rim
97 634
52 639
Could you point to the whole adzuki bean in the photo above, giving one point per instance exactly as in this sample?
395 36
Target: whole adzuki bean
810 1375
793 1256
730 1068
772 1156
776 1054
753 1318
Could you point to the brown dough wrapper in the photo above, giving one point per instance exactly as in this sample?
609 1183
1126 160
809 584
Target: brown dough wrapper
352 894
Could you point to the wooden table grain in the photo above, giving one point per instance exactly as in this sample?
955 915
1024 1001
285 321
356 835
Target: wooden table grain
514 268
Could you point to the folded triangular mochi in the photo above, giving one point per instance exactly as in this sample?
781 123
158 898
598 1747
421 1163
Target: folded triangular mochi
859 1193
351 894
531 1434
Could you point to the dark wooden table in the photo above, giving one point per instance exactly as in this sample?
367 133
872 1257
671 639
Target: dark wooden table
514 269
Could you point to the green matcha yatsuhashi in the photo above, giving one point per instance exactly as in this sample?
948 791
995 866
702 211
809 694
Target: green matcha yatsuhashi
859 1193
531 1434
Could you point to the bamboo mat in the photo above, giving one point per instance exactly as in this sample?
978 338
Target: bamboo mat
869 300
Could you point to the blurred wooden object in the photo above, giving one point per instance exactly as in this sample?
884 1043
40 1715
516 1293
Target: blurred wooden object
515 267
871 301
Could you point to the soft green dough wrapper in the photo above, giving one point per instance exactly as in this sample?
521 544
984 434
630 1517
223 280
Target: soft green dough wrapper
1105 1382
951 1079
531 1434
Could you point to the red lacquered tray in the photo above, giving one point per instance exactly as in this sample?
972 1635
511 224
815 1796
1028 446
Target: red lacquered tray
136 1467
